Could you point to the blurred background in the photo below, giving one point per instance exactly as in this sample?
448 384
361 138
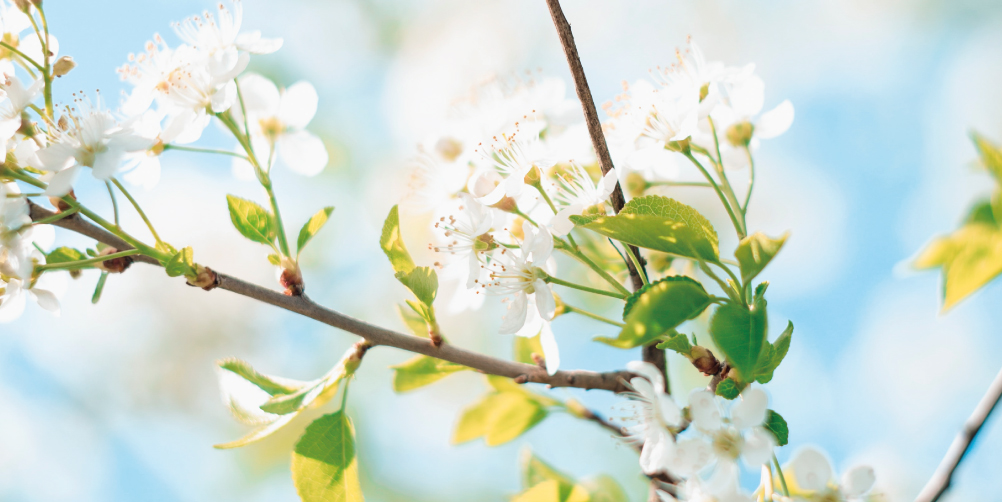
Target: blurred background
118 401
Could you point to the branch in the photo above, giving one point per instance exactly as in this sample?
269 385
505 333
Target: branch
940 480
612 381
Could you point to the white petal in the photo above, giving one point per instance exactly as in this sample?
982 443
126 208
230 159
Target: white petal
106 163
253 42
513 185
514 319
747 97
561 222
63 181
704 410
812 469
261 96
46 299
691 456
648 371
669 410
224 97
298 105
657 450
775 122
145 174
31 46
750 409
608 183
545 302
43 235
758 447
473 270
55 157
487 187
645 388
302 152
242 170
858 480
551 352
185 127
542 243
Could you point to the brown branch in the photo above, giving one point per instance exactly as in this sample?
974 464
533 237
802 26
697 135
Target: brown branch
940 480
651 353
611 381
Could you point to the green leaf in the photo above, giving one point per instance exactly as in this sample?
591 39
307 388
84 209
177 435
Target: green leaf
274 259
658 309
991 155
740 333
536 471
975 264
982 212
755 252
728 389
313 226
165 248
525 346
181 263
420 371
772 355
251 220
498 418
324 466
99 288
270 384
603 488
658 223
550 491
679 343
393 244
502 384
422 281
414 322
776 424
64 255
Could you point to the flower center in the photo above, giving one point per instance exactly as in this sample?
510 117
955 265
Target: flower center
728 443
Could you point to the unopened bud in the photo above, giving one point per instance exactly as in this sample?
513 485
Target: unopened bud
704 360
740 134
704 92
681 146
76 273
533 177
27 126
60 204
538 359
449 148
354 358
24 4
636 184
506 204
63 123
205 278
291 278
63 66
114 265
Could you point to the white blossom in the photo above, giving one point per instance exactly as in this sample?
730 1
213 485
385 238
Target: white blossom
517 273
510 158
16 98
576 192
656 413
741 435
813 472
467 235
738 121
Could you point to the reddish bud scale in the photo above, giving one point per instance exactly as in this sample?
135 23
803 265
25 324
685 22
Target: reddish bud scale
206 278
292 281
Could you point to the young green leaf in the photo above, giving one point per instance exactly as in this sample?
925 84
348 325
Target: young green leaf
393 244
64 255
679 343
536 471
498 418
658 223
420 371
324 466
270 384
991 155
181 263
550 491
777 425
658 309
755 252
526 346
740 333
970 257
772 355
603 488
312 227
728 389
415 322
251 220
422 281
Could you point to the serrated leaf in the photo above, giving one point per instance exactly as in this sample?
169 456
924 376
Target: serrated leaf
393 244
740 333
251 220
755 252
64 255
317 221
658 223
181 263
422 281
270 384
420 371
991 155
728 389
679 343
414 322
777 425
498 418
525 347
772 355
658 309
324 466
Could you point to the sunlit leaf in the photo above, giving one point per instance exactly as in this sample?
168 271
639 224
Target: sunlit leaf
755 252
251 220
740 333
64 255
422 281
414 322
658 309
270 384
991 155
603 488
324 465
772 355
549 491
728 389
420 371
526 346
181 263
498 418
393 244
313 226
678 343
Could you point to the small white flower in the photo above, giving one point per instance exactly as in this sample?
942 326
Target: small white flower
434 180
739 436
576 192
16 249
14 294
93 139
278 120
536 325
467 235
512 158
739 123
814 473
517 273
657 412
17 98
214 34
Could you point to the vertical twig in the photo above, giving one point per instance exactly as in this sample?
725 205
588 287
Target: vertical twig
940 480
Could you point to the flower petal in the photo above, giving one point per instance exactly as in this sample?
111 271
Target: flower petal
758 446
544 299
298 105
514 319
704 410
63 181
812 469
857 481
261 96
648 371
551 352
775 122
302 152
750 410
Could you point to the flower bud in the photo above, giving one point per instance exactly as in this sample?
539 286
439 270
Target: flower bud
506 204
704 92
636 184
740 134
63 123
24 5
449 148
114 265
291 277
533 177
27 126
354 358
205 278
60 204
704 360
63 66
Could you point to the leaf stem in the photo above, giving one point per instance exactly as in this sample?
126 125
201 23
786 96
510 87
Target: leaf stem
725 183
751 180
568 308
782 478
22 55
114 202
205 150
79 264
57 217
636 263
581 257
613 294
138 209
720 194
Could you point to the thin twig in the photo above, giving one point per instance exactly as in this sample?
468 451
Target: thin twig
611 381
940 480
